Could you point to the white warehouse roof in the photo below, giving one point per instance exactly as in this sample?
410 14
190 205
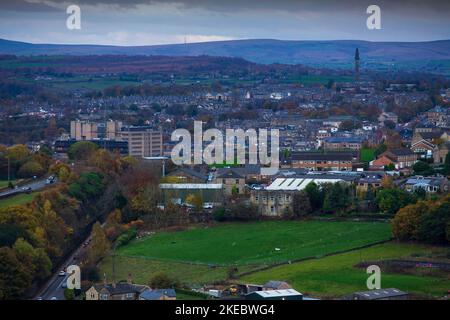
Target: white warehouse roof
191 186
277 293
292 184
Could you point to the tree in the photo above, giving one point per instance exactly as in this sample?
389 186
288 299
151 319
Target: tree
389 124
387 182
422 168
31 168
14 276
406 223
349 125
426 221
315 196
301 204
54 228
391 200
35 259
18 152
337 198
99 244
434 223
87 187
81 150
447 164
195 200
161 280
63 172
380 149
145 201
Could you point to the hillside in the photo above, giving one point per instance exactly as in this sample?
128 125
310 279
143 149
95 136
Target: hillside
260 50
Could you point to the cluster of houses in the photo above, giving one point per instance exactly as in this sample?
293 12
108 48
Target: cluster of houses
273 192
128 291
338 160
272 290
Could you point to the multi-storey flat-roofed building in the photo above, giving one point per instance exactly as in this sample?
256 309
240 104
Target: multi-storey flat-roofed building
143 141
113 129
83 130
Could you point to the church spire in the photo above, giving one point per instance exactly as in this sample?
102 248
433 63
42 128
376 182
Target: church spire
357 64
357 54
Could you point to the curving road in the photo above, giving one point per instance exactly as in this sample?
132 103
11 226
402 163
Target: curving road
53 287
35 185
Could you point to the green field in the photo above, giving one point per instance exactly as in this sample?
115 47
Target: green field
336 275
142 270
16 200
367 154
257 243
203 255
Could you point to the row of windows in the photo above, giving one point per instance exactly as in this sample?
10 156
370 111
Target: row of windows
323 162
272 198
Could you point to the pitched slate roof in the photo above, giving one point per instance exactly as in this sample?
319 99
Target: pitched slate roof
380 293
120 288
192 173
400 152
355 139
329 156
157 294
430 135
229 174
275 284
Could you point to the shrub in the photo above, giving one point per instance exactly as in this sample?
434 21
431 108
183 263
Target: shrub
126 237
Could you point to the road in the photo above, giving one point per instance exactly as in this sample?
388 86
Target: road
35 185
53 287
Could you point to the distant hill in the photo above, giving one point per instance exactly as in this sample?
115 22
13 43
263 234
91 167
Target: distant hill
260 50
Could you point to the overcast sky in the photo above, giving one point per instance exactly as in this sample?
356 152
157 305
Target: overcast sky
146 22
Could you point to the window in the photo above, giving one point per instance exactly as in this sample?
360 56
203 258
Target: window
129 295
103 297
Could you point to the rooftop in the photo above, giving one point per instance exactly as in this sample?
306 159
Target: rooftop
292 184
190 186
277 293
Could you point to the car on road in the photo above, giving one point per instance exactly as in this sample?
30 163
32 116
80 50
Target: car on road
39 298
27 190
50 180
62 273
53 298
64 284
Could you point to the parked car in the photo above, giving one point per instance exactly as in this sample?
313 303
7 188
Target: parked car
62 273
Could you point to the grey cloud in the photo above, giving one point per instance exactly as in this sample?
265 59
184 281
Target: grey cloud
438 6
25 6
